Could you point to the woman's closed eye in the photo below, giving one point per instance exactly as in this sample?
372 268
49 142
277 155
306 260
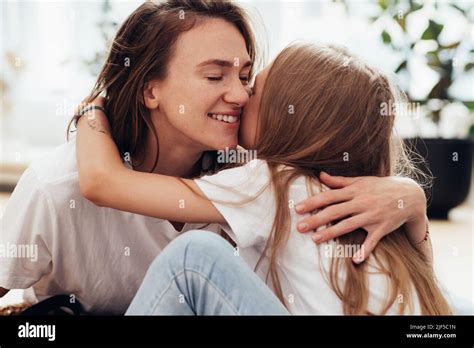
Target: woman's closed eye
244 79
214 78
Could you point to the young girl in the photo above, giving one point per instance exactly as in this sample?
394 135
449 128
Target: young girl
314 109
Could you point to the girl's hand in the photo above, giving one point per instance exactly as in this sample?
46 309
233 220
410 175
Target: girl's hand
378 205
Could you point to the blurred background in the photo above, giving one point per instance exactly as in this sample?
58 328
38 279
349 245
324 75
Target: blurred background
51 52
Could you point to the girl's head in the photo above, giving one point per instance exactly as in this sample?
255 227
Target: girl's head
320 108
176 63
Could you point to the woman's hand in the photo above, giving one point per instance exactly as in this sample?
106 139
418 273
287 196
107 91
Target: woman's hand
378 205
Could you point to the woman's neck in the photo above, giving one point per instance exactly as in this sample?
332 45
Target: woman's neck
178 155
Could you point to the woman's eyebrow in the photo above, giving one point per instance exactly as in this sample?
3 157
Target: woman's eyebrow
224 63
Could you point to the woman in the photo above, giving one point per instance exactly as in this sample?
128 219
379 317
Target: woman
48 193
327 97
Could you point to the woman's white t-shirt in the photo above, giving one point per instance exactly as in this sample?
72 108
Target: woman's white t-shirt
304 285
55 240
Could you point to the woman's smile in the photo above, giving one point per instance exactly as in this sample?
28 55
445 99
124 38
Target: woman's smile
229 119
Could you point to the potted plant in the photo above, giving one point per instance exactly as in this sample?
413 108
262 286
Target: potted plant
444 131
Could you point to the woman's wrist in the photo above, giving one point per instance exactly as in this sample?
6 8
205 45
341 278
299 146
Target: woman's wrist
418 230
416 224
419 236
416 205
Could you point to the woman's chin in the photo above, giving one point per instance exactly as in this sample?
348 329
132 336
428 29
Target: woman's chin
227 144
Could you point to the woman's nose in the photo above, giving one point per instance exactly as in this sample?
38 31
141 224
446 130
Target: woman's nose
238 94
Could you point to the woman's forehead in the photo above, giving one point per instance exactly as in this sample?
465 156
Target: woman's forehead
214 39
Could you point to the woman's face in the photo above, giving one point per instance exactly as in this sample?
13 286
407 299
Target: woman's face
206 86
249 120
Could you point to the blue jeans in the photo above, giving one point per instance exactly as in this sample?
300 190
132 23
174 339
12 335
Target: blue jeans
199 274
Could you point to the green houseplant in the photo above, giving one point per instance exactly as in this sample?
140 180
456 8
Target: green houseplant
448 149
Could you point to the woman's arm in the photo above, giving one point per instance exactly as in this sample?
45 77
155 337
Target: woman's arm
378 205
105 181
418 232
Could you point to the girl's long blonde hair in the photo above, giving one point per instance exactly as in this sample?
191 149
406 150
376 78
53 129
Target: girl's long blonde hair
324 109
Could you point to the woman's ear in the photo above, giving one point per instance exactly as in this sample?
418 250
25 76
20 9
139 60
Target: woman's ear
150 95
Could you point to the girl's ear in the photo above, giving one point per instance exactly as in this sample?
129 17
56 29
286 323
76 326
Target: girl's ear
150 95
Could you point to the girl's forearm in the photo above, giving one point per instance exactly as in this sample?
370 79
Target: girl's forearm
97 154
105 181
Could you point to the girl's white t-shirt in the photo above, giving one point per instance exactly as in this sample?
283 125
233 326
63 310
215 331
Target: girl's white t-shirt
303 284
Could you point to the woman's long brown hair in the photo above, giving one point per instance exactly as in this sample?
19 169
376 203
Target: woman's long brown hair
141 51
321 110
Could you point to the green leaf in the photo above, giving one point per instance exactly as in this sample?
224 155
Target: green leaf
433 59
433 31
386 37
469 105
402 66
458 8
440 89
414 6
402 22
468 66
373 19
383 4
453 45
